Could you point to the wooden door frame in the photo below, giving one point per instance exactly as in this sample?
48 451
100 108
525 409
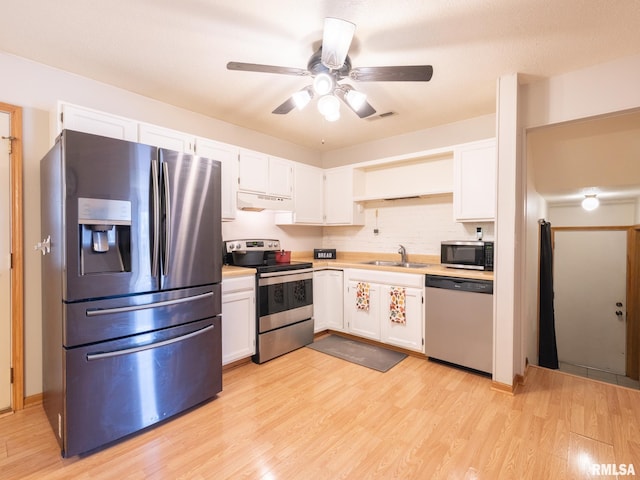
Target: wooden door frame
17 256
633 303
632 360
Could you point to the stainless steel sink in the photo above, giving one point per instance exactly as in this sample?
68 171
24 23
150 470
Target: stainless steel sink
390 263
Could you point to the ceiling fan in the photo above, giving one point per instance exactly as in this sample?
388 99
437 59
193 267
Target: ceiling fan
330 64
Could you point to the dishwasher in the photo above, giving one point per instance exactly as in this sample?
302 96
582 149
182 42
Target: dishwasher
459 321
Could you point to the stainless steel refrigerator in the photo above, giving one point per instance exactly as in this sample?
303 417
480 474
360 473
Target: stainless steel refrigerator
131 284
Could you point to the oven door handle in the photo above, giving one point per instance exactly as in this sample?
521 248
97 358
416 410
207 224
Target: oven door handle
127 351
286 272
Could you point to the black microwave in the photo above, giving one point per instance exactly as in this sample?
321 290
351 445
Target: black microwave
473 255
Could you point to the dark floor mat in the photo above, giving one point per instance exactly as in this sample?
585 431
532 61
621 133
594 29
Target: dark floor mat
370 356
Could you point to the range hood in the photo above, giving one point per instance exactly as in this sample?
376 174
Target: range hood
256 202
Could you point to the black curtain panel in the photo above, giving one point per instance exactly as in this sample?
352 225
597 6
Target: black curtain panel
547 348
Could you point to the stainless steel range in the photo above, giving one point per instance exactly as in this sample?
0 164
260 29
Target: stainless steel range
284 291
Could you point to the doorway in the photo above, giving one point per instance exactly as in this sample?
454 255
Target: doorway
11 261
590 284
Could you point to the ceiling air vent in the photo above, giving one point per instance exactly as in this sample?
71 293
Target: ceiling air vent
381 116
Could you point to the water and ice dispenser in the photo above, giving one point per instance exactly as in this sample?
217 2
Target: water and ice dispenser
105 235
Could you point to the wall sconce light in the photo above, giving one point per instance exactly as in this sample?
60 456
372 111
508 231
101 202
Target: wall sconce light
590 202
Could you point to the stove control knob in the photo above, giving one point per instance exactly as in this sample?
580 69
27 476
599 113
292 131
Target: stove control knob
237 245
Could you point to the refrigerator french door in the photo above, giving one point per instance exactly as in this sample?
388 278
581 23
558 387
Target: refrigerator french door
131 288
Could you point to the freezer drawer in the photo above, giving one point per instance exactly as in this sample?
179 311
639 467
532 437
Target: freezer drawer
95 320
118 387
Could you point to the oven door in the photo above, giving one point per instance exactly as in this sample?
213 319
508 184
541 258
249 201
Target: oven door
286 297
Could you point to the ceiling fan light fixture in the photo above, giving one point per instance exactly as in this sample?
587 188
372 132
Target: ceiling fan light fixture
328 106
323 83
590 202
336 41
302 98
355 99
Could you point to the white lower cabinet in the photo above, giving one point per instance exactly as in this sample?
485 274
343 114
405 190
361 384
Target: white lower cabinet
238 318
328 288
363 321
373 320
409 334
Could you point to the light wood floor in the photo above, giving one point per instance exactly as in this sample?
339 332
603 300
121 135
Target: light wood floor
311 416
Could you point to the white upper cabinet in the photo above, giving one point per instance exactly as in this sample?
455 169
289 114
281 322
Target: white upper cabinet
253 171
72 117
228 156
474 173
260 173
339 206
280 177
308 197
166 138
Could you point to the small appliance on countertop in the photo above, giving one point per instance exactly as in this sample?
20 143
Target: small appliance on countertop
467 254
284 296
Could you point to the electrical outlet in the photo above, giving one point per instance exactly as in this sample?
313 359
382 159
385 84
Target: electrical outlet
376 231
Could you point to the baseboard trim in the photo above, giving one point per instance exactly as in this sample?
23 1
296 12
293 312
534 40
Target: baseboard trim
518 380
32 400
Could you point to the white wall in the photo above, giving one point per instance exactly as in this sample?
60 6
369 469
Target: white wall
611 214
470 130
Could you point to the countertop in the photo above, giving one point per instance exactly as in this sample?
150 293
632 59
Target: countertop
356 259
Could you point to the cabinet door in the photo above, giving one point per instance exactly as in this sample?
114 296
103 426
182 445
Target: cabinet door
474 170
166 138
328 299
238 324
253 172
228 156
363 322
339 207
280 177
308 194
407 335
86 120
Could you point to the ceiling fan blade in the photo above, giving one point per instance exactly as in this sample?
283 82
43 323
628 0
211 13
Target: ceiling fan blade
336 40
256 67
408 73
285 107
364 111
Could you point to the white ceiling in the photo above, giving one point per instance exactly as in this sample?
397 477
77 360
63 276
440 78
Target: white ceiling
177 51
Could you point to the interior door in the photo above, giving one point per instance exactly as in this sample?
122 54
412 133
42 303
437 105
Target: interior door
5 266
590 272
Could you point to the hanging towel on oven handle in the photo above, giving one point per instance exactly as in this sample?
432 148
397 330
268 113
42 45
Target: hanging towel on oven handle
397 305
362 296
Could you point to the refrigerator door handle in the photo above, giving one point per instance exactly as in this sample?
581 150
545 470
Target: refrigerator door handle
167 213
133 308
156 218
127 351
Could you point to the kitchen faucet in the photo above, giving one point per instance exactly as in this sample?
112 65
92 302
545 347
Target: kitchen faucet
403 254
